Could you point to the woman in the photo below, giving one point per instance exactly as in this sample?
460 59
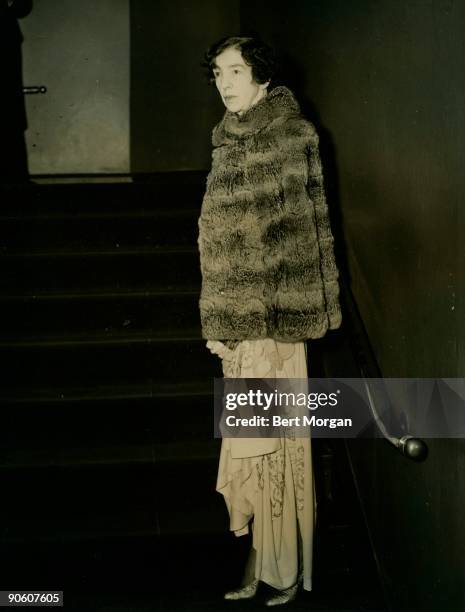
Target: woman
269 282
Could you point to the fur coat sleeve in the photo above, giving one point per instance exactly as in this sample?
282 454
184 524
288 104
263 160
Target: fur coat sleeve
310 185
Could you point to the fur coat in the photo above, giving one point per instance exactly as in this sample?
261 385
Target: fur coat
265 242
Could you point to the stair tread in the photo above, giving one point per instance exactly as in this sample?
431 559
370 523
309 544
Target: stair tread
125 454
109 392
112 337
143 521
104 252
108 294
134 213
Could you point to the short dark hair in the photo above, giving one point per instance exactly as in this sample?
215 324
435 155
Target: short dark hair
256 53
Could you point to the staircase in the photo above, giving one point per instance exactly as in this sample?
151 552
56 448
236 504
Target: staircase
107 456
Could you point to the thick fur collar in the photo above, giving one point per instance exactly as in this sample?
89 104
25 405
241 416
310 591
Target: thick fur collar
279 102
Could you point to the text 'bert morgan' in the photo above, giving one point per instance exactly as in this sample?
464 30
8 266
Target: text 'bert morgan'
278 421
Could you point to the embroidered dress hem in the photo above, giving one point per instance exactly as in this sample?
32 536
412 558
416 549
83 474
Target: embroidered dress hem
273 491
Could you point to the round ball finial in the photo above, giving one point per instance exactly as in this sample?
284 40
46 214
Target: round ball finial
413 448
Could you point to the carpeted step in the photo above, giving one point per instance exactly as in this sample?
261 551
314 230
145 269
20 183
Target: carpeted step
185 573
92 231
180 190
119 360
97 271
70 314
173 424
100 502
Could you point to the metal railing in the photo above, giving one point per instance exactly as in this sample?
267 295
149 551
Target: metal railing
410 446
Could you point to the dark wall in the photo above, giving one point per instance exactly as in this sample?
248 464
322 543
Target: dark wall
13 156
414 513
384 82
173 110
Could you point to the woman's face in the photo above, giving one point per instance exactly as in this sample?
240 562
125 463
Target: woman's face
234 81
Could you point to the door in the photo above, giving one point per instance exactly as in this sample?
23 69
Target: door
80 52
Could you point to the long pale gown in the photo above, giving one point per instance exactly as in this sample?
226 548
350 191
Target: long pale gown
277 488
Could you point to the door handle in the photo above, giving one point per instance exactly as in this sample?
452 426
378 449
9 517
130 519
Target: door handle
35 89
